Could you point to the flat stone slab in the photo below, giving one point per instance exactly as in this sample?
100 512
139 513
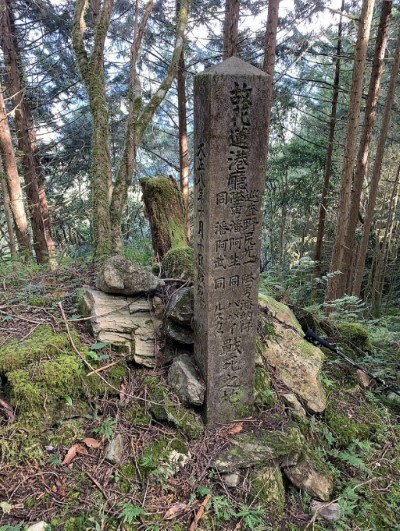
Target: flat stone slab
125 322
259 448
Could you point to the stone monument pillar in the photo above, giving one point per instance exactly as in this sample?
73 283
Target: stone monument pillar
229 172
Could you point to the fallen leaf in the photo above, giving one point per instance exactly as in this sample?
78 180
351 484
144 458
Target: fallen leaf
176 510
122 395
91 443
75 449
237 428
363 378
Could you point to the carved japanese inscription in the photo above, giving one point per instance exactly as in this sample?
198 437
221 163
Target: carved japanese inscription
229 164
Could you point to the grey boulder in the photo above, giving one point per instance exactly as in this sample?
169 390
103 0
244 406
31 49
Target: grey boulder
183 379
119 275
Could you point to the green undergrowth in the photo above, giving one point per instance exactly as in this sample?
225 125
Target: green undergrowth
46 382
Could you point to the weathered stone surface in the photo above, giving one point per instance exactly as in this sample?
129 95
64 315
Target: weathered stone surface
179 333
231 479
172 463
124 322
39 526
266 489
297 363
180 307
115 449
291 401
312 476
183 379
331 512
119 275
164 409
229 162
261 447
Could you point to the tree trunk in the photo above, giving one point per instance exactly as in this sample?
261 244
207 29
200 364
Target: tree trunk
334 288
183 136
376 172
108 208
269 56
14 185
231 24
92 72
329 153
384 248
365 142
166 214
34 180
9 217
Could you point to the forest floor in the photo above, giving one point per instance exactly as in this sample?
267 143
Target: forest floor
52 456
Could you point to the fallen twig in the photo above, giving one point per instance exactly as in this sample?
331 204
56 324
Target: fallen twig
200 513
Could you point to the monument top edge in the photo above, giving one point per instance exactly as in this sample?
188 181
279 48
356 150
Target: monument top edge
233 66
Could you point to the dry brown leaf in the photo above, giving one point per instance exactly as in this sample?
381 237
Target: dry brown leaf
363 378
122 395
91 443
176 510
237 428
71 454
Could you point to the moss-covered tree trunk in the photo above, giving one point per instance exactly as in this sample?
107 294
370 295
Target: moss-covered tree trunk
166 214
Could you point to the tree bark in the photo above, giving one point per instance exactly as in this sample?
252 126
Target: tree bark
231 24
384 248
92 71
329 153
9 218
34 179
108 202
269 55
334 288
166 214
14 185
183 136
365 142
376 172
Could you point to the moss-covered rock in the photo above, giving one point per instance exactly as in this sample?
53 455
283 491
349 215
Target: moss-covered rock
165 409
261 447
297 363
45 381
178 263
264 395
312 476
163 458
267 489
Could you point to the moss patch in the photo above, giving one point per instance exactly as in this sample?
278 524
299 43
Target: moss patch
43 377
353 338
165 409
178 263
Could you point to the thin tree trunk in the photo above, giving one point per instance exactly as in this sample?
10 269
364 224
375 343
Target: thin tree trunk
14 185
334 288
269 56
329 153
9 218
231 24
382 258
183 136
139 119
92 72
376 172
365 142
37 202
